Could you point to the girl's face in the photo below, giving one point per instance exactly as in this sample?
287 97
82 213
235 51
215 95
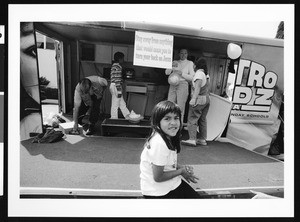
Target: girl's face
28 56
170 124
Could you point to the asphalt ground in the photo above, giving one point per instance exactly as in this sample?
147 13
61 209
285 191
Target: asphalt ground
111 164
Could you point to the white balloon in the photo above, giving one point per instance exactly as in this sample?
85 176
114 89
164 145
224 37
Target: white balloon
173 79
233 51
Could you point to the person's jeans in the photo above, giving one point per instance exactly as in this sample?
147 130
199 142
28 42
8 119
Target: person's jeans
197 116
179 94
117 103
95 110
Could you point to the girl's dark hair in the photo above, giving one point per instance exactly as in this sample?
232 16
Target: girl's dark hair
158 112
200 63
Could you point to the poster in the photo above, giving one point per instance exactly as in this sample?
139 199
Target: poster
153 50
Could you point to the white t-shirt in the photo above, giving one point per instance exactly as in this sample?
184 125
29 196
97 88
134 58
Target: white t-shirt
199 75
159 154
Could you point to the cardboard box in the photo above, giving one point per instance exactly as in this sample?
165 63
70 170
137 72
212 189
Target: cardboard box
67 127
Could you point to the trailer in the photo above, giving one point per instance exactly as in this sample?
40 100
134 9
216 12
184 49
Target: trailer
253 82
246 93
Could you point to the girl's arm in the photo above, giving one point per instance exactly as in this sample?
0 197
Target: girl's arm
160 175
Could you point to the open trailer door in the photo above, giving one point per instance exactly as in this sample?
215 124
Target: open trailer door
60 76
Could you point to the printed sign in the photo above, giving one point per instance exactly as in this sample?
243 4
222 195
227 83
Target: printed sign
153 50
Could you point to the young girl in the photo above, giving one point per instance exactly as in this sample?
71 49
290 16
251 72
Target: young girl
160 172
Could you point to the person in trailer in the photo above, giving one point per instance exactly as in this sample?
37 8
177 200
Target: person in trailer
179 86
161 176
117 100
87 98
198 105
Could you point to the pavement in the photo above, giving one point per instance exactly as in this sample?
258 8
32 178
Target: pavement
110 166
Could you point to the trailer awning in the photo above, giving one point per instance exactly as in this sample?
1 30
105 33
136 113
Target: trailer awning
124 32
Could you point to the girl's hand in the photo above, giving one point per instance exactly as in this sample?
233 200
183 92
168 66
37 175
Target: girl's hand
189 169
188 174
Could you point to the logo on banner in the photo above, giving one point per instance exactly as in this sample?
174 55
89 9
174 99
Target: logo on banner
254 87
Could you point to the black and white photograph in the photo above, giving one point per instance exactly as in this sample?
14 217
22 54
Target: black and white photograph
122 103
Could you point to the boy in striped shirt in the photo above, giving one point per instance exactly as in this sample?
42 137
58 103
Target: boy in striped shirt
117 100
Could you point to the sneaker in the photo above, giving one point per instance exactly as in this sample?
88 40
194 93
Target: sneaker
201 142
189 142
133 115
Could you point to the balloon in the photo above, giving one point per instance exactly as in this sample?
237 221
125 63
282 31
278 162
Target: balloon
173 79
233 51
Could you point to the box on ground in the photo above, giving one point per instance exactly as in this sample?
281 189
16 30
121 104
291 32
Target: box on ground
67 127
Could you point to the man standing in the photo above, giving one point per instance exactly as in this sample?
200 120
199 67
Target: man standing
87 98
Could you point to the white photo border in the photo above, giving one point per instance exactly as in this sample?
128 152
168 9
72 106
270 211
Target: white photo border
141 207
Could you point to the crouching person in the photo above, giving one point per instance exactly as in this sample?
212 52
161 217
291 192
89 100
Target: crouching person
87 98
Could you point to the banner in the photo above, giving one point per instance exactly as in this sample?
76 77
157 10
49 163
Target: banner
257 97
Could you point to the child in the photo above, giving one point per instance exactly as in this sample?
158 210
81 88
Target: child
160 172
199 105
117 100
